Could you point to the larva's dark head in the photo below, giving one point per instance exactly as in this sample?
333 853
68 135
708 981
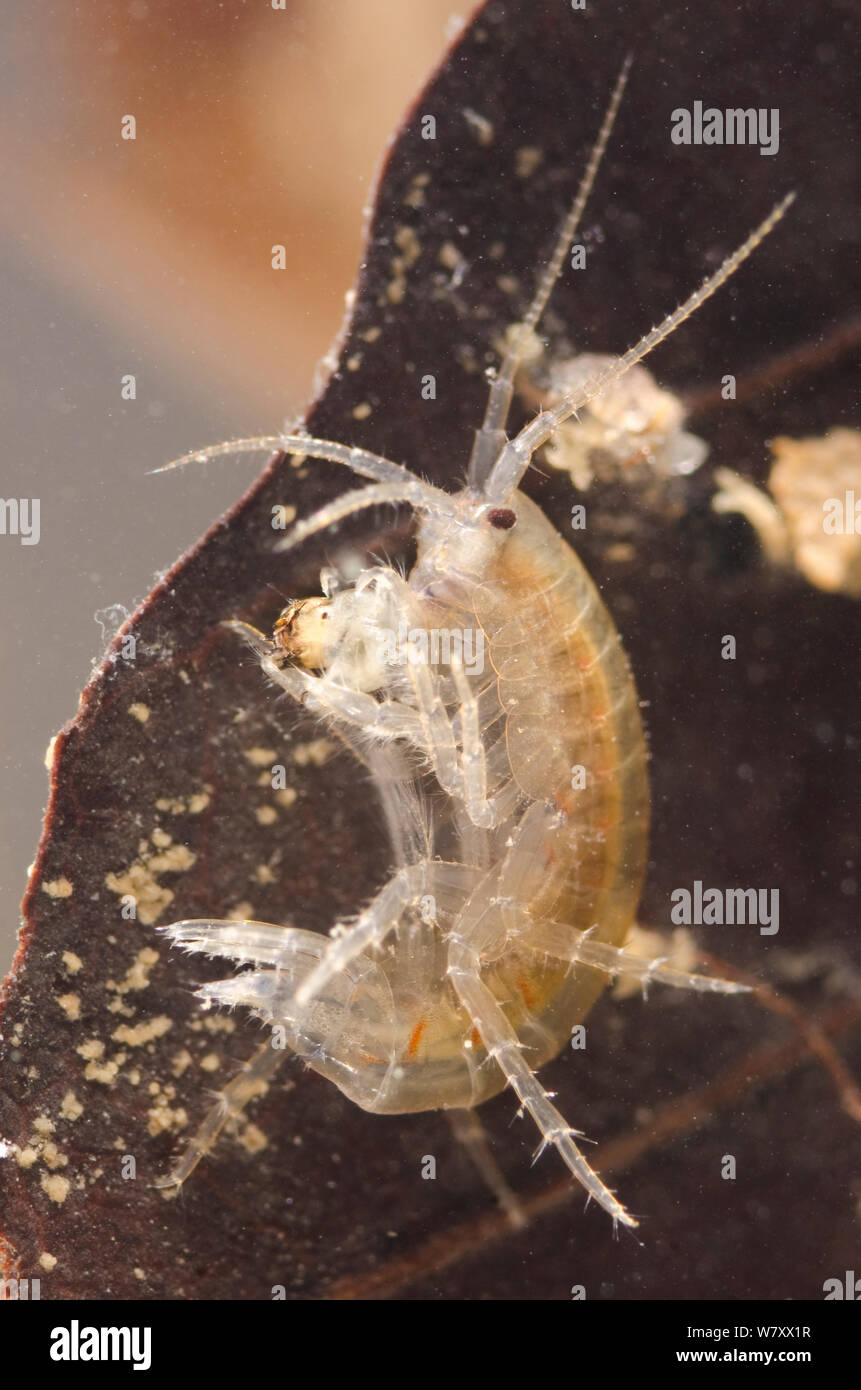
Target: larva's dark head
301 630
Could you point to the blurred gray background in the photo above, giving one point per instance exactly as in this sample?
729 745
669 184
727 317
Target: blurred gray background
152 257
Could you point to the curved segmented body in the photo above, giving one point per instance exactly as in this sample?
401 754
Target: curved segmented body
556 706
491 700
562 739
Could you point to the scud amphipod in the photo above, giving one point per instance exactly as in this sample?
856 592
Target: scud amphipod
490 697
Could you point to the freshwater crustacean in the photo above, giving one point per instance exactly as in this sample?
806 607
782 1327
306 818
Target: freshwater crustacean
489 696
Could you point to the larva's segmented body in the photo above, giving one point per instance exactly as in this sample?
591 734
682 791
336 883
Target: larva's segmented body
491 700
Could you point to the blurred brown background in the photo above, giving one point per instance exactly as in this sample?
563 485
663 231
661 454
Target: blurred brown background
254 126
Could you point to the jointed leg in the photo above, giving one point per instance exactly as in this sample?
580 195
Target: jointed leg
483 810
473 762
404 809
566 943
291 955
382 719
250 943
250 1082
428 727
461 775
387 720
503 1045
469 1131
370 930
437 733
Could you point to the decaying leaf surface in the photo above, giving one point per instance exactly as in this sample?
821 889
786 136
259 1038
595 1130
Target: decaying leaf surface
161 787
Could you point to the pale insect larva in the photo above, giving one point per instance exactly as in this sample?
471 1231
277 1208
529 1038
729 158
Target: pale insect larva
511 770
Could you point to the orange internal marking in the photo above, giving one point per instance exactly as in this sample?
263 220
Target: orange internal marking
526 990
416 1037
369 1060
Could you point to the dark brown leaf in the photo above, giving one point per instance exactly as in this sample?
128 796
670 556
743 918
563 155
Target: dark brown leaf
754 771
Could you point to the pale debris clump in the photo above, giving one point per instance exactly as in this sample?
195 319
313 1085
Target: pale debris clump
414 197
677 949
137 977
634 423
196 803
140 879
527 160
481 127
144 1032
261 757
55 1187
58 888
71 1108
812 523
409 248
162 1117
105 1072
252 1138
71 1005
40 1147
314 753
181 1061
215 1023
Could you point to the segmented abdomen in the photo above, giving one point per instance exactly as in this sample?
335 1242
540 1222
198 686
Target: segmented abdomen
575 745
560 717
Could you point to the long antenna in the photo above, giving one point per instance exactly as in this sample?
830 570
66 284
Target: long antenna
515 457
369 465
490 438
